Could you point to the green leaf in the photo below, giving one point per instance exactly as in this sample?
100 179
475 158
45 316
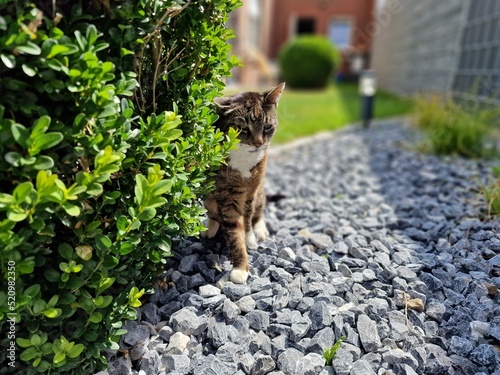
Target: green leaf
39 306
103 243
20 134
75 351
141 185
32 291
28 70
109 110
40 127
94 189
105 283
111 261
156 202
57 49
35 340
126 248
14 158
16 216
30 49
52 312
147 214
162 187
43 162
23 343
44 142
29 354
22 191
82 43
96 317
71 209
59 357
66 251
8 60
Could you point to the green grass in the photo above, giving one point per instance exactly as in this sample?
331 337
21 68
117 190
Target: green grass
452 129
304 113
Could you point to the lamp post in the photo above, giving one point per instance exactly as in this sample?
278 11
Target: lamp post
367 88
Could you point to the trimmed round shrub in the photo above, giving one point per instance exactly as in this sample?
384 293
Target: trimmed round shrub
308 61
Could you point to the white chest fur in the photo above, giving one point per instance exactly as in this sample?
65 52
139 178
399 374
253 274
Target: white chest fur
245 158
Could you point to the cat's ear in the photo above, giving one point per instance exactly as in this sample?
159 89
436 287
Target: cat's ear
272 97
224 104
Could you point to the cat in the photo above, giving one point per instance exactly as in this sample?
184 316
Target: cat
237 203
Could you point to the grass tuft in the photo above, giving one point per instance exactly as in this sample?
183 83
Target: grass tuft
329 353
492 194
452 129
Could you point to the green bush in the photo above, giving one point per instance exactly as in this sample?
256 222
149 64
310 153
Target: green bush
106 146
451 128
308 61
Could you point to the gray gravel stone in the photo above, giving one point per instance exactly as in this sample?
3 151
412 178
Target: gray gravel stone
186 321
484 355
320 315
137 334
235 291
368 333
361 367
209 291
360 223
176 363
322 340
258 320
230 310
264 364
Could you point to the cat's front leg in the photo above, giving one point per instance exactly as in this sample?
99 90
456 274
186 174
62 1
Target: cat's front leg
259 225
250 239
260 229
235 232
212 224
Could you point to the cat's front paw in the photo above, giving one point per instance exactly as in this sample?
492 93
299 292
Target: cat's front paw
238 276
251 241
213 227
260 230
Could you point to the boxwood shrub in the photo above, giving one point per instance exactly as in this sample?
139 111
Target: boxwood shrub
308 61
106 147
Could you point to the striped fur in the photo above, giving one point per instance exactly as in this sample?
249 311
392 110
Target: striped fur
237 204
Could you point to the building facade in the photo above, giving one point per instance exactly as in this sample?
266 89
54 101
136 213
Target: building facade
346 23
449 47
262 27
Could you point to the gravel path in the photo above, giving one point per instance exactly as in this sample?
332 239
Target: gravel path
369 240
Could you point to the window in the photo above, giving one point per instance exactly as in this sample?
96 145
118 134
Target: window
305 26
339 32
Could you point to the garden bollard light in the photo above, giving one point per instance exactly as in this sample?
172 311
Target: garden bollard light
367 88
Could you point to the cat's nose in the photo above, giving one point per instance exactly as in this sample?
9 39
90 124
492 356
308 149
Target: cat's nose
257 142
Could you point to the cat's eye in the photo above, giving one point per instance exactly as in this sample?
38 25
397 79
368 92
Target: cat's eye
244 132
268 128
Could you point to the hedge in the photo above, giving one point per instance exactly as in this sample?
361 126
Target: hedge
106 148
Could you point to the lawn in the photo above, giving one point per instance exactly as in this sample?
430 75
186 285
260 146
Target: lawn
303 113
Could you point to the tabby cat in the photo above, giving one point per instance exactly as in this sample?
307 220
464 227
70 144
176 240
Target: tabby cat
237 204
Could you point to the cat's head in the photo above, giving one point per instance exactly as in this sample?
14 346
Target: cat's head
253 114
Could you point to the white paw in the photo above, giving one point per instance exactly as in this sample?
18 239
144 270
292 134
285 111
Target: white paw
238 276
251 241
260 230
213 227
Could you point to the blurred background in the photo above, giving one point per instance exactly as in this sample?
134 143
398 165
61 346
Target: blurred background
448 48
